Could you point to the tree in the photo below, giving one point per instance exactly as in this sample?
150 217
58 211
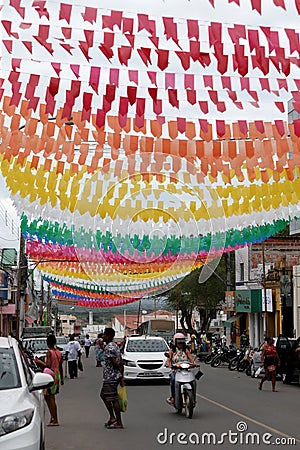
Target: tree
205 297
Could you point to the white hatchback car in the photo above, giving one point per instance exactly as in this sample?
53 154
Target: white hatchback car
144 358
21 400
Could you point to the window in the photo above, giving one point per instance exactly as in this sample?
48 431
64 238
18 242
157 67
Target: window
9 374
27 373
242 272
146 345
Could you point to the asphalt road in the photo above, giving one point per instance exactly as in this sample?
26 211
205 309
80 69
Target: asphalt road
225 401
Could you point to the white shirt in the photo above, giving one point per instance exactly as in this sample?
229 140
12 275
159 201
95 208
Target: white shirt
87 342
73 347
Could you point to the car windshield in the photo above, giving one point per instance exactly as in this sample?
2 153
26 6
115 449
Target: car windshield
146 345
36 344
61 341
9 374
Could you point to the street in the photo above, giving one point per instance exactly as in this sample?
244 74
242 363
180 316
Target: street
225 401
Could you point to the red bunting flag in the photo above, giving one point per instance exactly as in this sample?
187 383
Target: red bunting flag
124 54
131 94
256 5
145 55
193 29
127 26
189 81
170 29
90 14
172 93
65 12
297 4
17 5
94 78
163 59
279 3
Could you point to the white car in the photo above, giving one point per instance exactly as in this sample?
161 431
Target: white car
22 402
144 358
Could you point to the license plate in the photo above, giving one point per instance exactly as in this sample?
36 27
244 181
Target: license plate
151 374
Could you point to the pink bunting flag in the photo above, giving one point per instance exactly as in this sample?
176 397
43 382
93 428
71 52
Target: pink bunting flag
208 81
189 81
226 82
280 127
297 4
272 37
191 96
67 32
133 75
243 126
215 33
293 38
204 106
56 67
114 76
170 80
264 82
31 86
65 12
8 44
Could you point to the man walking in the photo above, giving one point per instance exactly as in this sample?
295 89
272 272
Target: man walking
112 376
73 351
87 345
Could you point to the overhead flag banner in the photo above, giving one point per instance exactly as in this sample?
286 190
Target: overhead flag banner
140 144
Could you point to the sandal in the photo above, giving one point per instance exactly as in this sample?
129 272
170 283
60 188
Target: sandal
53 424
110 422
114 426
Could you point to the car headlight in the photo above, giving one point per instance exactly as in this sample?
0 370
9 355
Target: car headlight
15 421
129 363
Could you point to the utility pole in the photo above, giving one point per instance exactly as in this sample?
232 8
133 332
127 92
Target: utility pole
20 287
48 306
42 302
265 290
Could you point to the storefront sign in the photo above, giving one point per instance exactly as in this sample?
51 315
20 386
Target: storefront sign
229 301
248 301
269 300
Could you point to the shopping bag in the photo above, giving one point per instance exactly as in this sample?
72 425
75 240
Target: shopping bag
257 373
80 365
122 394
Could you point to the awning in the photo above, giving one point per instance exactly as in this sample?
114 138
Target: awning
232 319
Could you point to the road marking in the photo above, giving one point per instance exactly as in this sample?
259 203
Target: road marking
250 419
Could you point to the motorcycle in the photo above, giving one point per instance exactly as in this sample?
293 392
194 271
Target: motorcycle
240 353
225 355
245 363
213 352
185 388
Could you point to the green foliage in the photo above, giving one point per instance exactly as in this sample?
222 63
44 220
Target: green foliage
189 294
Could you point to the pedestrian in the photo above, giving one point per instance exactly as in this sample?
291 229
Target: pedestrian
112 376
54 363
270 361
73 352
99 350
87 345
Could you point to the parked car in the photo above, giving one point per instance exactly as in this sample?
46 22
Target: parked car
38 345
144 358
283 346
61 344
290 366
21 400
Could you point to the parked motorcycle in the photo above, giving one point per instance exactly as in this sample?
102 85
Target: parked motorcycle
225 355
214 351
185 388
240 353
245 363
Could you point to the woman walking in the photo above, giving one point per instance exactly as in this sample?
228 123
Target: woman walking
270 361
54 363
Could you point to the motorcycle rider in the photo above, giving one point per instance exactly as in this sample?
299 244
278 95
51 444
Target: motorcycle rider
177 353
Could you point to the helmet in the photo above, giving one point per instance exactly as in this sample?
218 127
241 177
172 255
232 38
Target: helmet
178 337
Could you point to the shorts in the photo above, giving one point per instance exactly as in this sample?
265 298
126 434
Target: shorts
109 391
